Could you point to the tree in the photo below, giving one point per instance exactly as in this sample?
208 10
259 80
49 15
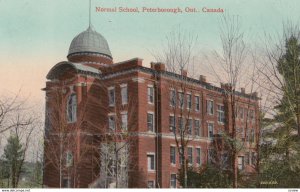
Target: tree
228 66
281 69
13 159
178 54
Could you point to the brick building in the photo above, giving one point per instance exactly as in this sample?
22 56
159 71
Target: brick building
91 101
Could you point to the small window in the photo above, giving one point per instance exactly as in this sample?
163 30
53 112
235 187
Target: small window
252 140
197 103
181 123
190 155
241 163
124 94
211 156
197 127
242 132
150 94
252 115
181 159
253 158
210 130
151 162
172 155
172 124
66 182
210 107
190 126
111 96
111 123
150 184
72 108
150 122
248 135
189 101
172 98
69 159
198 156
124 121
241 113
247 158
221 113
173 181
181 100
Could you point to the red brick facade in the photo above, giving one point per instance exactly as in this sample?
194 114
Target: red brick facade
91 88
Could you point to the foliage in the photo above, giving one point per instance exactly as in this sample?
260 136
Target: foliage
13 158
207 176
280 156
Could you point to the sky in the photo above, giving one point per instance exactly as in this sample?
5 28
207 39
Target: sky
36 34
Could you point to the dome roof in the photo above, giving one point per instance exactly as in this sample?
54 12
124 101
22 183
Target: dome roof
89 41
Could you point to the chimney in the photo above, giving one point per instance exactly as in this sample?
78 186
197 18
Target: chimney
158 66
254 94
202 78
243 90
184 72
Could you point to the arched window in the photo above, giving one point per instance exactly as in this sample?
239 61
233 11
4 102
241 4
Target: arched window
72 108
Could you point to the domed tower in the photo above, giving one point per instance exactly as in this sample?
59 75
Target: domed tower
90 48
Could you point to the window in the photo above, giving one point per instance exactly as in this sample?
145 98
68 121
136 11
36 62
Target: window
248 135
173 181
69 159
221 113
242 133
211 155
197 103
72 108
172 123
181 160
247 158
197 127
252 140
150 184
66 182
150 122
210 127
124 119
111 123
253 158
190 126
225 160
172 155
241 163
173 98
241 113
198 156
150 94
151 162
252 115
189 101
210 107
111 96
181 99
190 155
181 123
124 94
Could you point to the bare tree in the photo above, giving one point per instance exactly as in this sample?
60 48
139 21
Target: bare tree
18 120
66 144
228 66
178 54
